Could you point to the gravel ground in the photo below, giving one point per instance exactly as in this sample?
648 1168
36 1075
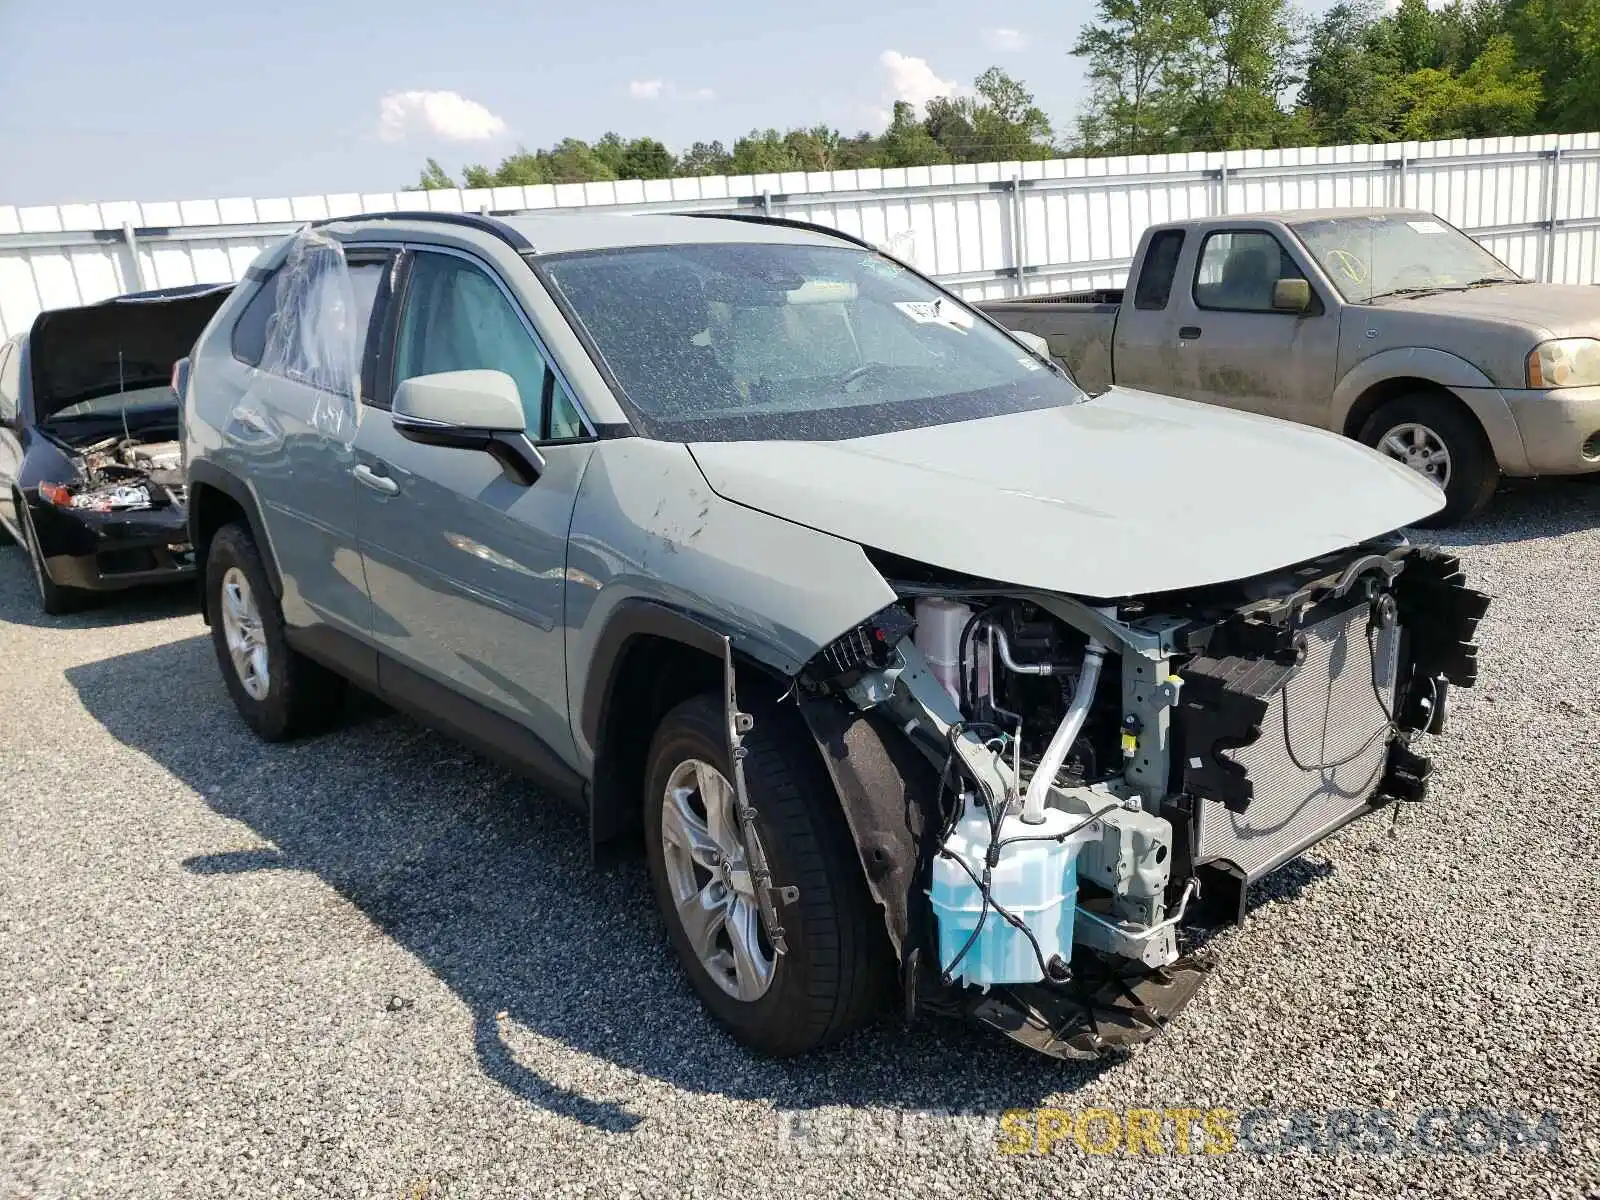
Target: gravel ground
373 965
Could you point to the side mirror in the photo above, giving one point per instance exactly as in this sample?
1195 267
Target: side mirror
1291 295
469 410
1033 342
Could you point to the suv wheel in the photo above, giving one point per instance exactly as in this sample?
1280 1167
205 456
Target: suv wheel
54 599
1436 439
280 693
835 975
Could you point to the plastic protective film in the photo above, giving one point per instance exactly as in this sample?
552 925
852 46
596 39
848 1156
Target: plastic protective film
315 337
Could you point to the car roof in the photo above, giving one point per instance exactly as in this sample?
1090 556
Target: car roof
1295 216
578 230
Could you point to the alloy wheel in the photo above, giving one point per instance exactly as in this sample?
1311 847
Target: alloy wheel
241 626
707 870
1419 448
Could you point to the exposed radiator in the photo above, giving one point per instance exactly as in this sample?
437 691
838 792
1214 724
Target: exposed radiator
1335 707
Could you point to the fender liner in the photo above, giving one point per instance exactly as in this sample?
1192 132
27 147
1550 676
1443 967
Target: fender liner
1449 371
210 475
889 793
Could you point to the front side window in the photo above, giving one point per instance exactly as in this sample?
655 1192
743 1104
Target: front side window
1239 270
457 319
755 341
1374 256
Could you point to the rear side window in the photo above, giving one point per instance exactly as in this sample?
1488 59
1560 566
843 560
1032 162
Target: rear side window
1160 268
250 330
253 329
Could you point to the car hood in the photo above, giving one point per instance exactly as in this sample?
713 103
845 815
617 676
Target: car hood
130 342
1124 494
1562 310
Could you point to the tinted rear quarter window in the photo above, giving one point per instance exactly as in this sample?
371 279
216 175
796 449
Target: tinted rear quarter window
250 330
1160 268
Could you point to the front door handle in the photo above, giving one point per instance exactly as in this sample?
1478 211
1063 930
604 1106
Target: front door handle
378 483
1188 333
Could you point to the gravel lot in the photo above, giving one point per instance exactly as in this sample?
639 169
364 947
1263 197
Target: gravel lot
373 965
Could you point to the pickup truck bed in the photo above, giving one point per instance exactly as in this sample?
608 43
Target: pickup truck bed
1084 340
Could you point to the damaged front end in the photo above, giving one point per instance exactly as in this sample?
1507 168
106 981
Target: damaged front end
118 475
1046 793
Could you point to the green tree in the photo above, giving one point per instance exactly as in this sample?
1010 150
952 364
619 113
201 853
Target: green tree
706 158
1352 91
434 178
1143 58
1412 31
907 142
1493 97
477 176
1248 62
573 160
762 152
646 158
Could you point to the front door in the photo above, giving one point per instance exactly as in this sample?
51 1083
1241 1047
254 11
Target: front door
1242 353
466 567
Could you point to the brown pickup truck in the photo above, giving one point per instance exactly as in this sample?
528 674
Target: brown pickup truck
1389 326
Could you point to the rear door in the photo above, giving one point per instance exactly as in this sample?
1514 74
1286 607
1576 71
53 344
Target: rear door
1146 353
467 568
1239 351
297 453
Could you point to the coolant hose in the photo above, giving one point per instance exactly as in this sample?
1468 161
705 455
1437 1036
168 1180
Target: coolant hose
1066 733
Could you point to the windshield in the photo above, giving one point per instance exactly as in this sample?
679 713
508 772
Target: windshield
1369 257
732 342
133 400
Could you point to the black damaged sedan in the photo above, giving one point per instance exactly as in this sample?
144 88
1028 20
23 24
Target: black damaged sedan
91 480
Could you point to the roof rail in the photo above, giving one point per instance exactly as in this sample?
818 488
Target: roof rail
487 224
788 223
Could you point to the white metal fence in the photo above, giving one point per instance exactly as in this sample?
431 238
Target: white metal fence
991 230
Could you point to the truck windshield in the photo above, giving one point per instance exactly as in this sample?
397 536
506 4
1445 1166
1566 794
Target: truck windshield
1371 257
736 341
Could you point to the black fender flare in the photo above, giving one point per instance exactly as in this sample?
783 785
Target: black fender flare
612 808
632 619
204 474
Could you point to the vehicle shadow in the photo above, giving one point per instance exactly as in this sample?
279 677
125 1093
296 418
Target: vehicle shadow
1525 510
491 887
155 602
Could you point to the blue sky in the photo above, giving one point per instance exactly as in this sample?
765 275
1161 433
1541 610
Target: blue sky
178 99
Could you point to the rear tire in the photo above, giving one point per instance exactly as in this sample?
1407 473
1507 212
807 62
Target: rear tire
55 600
1409 427
836 974
280 693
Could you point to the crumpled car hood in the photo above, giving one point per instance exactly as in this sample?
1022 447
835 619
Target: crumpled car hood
1125 494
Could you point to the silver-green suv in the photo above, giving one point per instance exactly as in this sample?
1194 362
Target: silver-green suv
927 681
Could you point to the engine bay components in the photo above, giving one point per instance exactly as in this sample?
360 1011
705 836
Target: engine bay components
122 475
1101 768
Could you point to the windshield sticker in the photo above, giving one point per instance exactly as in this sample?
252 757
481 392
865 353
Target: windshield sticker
1031 364
1426 226
936 312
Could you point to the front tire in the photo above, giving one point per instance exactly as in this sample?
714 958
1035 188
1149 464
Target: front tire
1442 442
55 600
835 975
281 694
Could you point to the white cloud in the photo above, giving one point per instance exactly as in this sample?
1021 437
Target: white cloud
661 89
448 115
912 80
1008 40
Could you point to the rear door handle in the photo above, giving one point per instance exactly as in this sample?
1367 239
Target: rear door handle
1188 333
378 483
